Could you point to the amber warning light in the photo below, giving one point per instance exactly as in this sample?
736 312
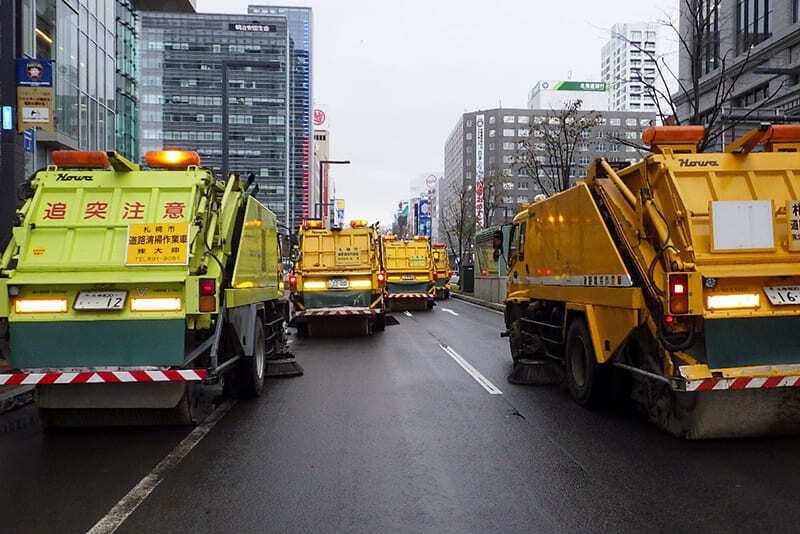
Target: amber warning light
81 159
171 159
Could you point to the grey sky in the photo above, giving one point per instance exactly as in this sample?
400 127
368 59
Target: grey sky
395 76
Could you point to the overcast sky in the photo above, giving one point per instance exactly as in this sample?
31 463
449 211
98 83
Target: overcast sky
395 76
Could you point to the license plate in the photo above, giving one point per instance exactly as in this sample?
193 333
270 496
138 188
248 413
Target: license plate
783 295
100 300
408 277
337 283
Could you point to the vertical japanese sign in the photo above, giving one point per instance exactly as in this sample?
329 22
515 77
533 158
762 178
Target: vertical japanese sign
325 198
479 166
793 220
34 94
339 215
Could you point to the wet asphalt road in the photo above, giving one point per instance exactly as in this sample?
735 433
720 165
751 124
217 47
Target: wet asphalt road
390 434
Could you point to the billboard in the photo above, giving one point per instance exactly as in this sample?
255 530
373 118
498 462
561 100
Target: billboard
479 168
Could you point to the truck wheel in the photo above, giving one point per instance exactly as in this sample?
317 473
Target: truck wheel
248 376
582 367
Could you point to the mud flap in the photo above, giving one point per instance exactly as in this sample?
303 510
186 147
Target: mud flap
101 405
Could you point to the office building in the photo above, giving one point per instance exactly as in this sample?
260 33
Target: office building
484 144
92 45
628 66
237 89
554 94
320 187
760 38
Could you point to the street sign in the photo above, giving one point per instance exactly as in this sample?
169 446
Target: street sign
34 94
29 140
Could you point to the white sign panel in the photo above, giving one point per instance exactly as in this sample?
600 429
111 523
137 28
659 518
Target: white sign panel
742 225
479 167
36 115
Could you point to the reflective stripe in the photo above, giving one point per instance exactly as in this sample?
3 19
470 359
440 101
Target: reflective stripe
588 280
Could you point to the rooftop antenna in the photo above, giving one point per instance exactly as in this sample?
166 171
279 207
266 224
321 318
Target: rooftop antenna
569 75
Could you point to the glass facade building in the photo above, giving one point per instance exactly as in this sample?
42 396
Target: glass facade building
78 35
235 88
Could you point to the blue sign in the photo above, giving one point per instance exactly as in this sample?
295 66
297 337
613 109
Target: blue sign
8 118
424 210
34 73
29 140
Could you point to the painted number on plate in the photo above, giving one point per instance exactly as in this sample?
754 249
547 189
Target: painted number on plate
337 283
783 295
100 300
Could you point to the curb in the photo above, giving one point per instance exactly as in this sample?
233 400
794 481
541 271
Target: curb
479 302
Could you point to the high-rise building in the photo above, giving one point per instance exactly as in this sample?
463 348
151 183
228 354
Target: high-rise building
483 145
235 88
754 42
92 45
320 187
627 63
554 94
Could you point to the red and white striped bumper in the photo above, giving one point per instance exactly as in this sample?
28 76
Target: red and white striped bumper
716 384
97 377
409 296
317 312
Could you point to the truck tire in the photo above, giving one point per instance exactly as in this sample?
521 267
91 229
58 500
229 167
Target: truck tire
581 363
248 376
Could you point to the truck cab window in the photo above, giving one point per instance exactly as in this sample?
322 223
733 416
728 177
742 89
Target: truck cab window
521 247
512 244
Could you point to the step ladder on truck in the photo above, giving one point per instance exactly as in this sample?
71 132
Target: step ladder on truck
126 289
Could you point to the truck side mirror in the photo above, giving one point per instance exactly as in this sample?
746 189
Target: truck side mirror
497 241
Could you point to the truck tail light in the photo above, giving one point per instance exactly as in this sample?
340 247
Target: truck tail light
678 294
733 301
435 273
156 304
208 286
292 282
381 278
449 273
40 305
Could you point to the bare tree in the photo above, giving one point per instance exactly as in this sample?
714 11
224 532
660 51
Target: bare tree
458 219
493 186
698 38
548 155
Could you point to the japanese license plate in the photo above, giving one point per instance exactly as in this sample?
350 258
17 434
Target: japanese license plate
408 277
783 295
100 300
337 283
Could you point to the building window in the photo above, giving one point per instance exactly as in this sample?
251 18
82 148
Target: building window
468 137
752 23
630 122
508 146
491 120
508 119
508 159
508 132
524 119
492 146
508 200
492 133
795 10
524 132
751 97
469 123
522 199
614 122
523 186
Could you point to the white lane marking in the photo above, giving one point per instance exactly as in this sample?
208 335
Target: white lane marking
408 313
448 310
479 306
135 497
474 373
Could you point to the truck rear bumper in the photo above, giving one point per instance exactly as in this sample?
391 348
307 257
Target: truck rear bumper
343 311
701 378
99 377
409 296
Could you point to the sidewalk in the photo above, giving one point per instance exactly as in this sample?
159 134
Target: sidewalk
478 302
